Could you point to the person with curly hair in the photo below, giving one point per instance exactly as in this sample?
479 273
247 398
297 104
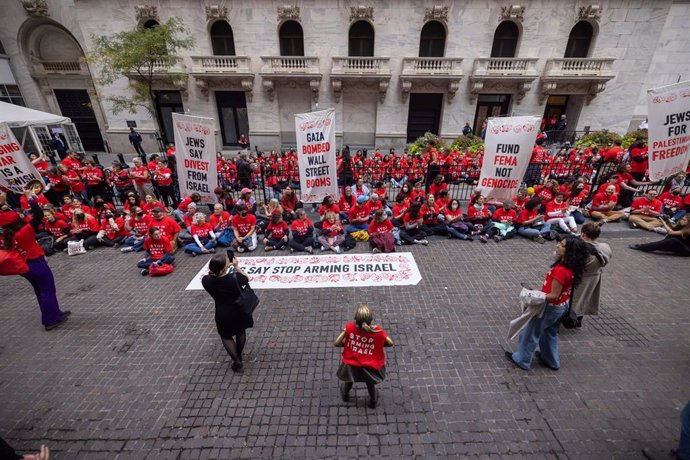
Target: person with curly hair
565 274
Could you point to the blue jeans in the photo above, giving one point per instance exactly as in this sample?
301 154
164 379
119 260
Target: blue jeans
533 232
354 227
455 233
578 216
137 245
166 259
542 332
226 237
194 248
679 215
684 443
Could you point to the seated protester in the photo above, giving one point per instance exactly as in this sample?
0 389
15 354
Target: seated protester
479 217
112 232
375 204
220 222
244 226
268 208
411 231
328 205
331 233
628 184
359 189
437 185
578 194
359 215
504 222
430 219
120 179
75 182
520 200
187 219
530 223
40 201
612 180
205 240
56 226
603 205
168 226
380 231
677 241
84 227
645 212
302 233
70 204
277 233
547 192
380 190
225 198
182 208
290 203
672 203
150 203
138 225
101 208
406 191
158 249
455 227
557 213
247 199
399 209
346 203
418 193
442 200
131 201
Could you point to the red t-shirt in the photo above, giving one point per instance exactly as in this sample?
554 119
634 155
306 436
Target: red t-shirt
670 200
473 213
364 349
93 176
184 203
564 276
157 248
555 210
600 202
641 155
57 229
89 223
526 215
243 224
323 209
58 183
434 189
110 231
538 154
451 215
645 206
505 217
359 212
399 208
546 194
167 226
301 227
138 173
380 227
220 222
331 229
345 205
202 231
277 231
148 208
42 166
141 227
42 201
160 177
75 182
72 164
25 242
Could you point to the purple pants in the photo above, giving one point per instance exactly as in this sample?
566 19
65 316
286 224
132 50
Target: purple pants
41 278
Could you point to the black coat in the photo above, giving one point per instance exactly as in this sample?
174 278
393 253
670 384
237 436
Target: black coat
230 318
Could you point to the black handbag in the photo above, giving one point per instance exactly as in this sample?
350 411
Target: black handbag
247 301
569 320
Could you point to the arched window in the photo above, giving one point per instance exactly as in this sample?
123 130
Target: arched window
150 24
433 41
291 39
361 42
505 40
222 41
579 40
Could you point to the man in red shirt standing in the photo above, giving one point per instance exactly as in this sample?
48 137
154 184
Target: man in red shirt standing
645 212
639 161
539 154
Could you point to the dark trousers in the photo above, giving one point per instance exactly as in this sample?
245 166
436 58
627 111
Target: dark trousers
409 235
89 241
167 195
139 150
672 244
110 243
300 243
146 263
41 278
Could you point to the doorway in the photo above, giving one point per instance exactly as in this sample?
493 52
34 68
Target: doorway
76 105
167 103
490 105
232 113
555 107
424 114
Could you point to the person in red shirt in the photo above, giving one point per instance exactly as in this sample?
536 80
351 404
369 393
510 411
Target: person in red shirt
17 234
119 178
331 233
141 177
363 358
375 204
604 204
43 201
359 215
672 202
432 224
411 232
182 207
158 249
138 224
520 199
542 330
437 185
328 204
530 223
539 154
150 203
277 233
72 162
222 227
639 159
76 185
169 228
454 221
203 236
557 213
504 220
479 217
95 182
131 201
346 202
244 226
380 231
58 184
290 203
56 225
164 180
402 203
418 193
645 212
614 154
85 227
112 232
548 191
302 233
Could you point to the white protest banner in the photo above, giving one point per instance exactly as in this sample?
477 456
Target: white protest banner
669 129
507 151
195 143
316 155
16 170
325 271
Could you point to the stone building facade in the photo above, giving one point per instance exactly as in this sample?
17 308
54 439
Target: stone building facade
391 69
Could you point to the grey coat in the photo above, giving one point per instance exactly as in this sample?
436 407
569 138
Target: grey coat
587 295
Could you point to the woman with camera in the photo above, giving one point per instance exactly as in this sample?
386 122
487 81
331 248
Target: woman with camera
226 282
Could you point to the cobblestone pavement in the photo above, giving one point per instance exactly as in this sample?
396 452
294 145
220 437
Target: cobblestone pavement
139 372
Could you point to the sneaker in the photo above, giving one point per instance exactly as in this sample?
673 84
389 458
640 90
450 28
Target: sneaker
240 249
540 239
194 254
469 238
323 248
375 251
51 326
425 242
484 239
268 249
417 241
398 243
293 250
660 230
145 272
212 250
143 260
126 249
498 238
337 250
309 249
633 225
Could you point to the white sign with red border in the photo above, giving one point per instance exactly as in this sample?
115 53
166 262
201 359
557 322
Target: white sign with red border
16 170
195 146
669 129
325 271
316 155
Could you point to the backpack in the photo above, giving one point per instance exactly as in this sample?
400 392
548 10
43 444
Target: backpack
157 269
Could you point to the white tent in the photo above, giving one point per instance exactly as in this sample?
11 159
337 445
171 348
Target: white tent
17 116
35 129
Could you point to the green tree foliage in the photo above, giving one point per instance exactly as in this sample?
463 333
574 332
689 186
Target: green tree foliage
146 57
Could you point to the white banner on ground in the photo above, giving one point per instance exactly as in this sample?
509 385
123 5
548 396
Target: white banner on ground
669 129
195 143
507 151
325 271
316 154
16 170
